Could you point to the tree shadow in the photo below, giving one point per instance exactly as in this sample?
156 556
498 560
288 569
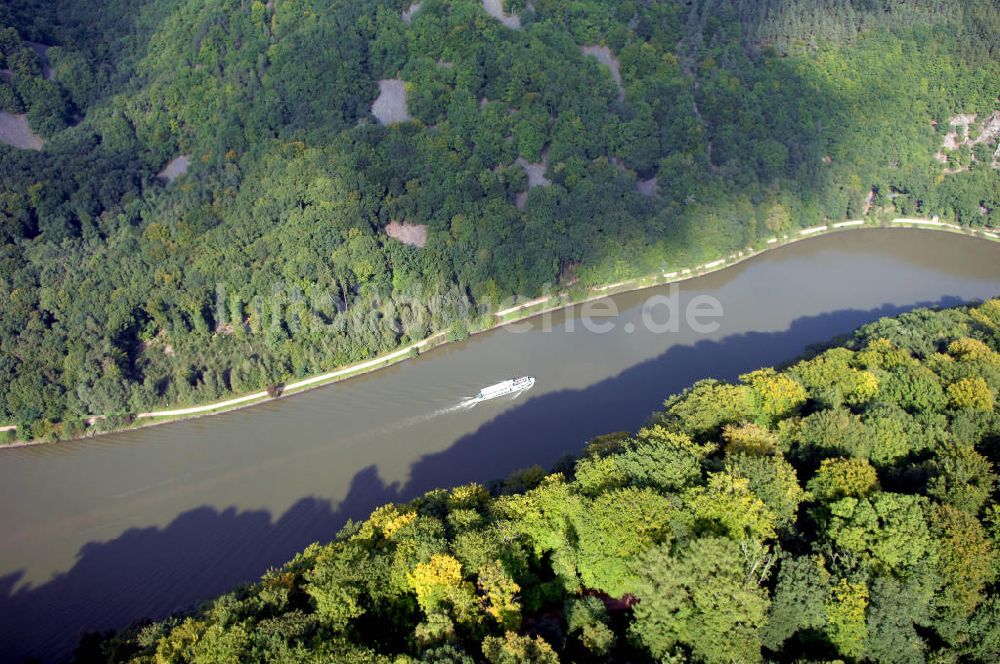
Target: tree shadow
151 572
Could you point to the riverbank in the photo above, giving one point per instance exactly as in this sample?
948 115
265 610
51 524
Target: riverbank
512 314
157 418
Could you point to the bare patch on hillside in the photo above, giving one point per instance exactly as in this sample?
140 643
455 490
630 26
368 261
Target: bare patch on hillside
535 172
15 132
536 177
648 187
495 9
414 235
606 58
987 132
390 107
175 168
870 200
160 341
408 13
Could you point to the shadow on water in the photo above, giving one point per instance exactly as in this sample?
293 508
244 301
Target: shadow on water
150 572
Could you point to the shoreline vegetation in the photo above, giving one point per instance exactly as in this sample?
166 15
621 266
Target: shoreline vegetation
513 314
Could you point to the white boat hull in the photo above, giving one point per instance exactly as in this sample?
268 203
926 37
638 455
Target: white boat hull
514 386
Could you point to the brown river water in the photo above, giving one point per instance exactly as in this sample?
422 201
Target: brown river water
97 533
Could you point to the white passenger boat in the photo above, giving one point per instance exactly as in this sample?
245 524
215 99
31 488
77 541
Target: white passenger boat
504 388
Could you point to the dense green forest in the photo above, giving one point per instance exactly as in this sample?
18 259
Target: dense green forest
268 259
842 508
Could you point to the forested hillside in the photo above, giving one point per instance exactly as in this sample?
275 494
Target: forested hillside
842 507
717 125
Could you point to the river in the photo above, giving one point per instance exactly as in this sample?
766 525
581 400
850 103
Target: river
100 532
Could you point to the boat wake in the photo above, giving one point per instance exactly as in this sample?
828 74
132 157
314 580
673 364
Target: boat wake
464 404
512 388
426 417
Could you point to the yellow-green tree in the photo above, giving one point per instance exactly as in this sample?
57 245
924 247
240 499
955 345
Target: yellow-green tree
614 528
887 530
512 648
845 614
972 393
832 379
839 478
967 348
728 506
436 580
774 395
883 354
965 561
440 588
988 314
500 595
749 438
703 408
